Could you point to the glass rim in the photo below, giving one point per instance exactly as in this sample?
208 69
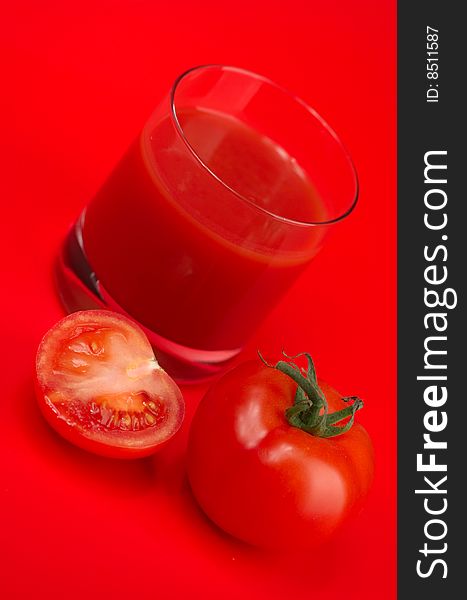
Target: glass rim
313 113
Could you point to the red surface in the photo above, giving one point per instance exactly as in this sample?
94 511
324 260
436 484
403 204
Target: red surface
79 82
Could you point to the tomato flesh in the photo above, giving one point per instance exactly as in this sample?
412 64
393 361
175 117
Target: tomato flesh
100 386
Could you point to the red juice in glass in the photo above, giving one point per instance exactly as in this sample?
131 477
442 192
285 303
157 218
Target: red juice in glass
211 215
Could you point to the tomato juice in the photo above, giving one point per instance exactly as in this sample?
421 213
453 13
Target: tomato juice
192 236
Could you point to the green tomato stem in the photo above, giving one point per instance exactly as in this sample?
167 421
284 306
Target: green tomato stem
310 409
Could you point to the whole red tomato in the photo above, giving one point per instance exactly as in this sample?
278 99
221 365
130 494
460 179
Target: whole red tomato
268 461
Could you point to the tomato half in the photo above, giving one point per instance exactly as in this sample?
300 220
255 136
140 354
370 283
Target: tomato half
99 385
266 481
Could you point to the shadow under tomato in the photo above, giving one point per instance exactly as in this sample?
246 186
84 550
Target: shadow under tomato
125 478
188 521
191 522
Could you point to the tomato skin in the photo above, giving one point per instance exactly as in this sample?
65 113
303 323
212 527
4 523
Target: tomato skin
59 383
264 481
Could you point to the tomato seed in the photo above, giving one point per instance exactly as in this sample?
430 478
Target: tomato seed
152 406
125 421
150 419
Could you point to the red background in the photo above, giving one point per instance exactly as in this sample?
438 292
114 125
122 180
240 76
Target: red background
79 81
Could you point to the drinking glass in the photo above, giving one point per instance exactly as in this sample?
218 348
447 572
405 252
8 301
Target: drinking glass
215 209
